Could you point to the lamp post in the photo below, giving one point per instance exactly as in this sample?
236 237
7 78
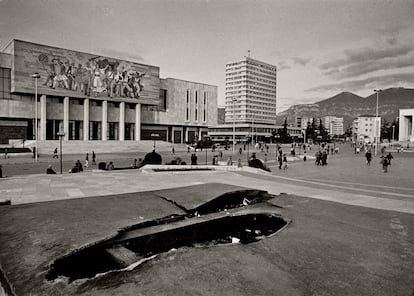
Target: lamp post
61 135
154 137
376 123
36 76
393 130
234 124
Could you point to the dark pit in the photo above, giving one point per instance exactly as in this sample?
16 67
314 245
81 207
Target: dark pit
131 246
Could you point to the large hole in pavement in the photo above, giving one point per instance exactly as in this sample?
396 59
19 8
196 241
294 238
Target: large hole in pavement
134 245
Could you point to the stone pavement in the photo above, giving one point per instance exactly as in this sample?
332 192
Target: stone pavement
40 187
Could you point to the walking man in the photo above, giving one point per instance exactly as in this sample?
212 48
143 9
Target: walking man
55 153
93 158
87 160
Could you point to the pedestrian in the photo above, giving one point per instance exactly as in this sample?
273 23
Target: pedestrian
221 154
389 157
87 160
79 166
240 150
50 170
384 162
110 166
193 159
280 160
93 158
188 148
285 163
55 153
368 156
324 157
229 161
1 171
5 153
34 152
318 157
173 150
304 155
134 164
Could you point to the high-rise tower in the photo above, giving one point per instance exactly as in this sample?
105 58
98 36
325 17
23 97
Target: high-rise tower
250 92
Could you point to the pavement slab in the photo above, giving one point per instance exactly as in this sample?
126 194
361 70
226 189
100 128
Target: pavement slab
329 248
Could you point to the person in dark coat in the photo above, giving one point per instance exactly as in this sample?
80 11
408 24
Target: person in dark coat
389 157
93 158
384 162
368 156
50 170
193 159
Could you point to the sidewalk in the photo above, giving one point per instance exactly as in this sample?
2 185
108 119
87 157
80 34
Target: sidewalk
38 188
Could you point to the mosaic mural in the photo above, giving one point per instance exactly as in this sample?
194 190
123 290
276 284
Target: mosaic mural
97 76
82 74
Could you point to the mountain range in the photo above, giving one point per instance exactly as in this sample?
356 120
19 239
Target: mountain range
349 106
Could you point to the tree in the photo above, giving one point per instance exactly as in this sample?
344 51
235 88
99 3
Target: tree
323 132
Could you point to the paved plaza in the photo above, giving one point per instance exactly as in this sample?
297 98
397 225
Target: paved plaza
351 230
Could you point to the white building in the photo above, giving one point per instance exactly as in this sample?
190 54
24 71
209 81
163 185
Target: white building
365 129
334 125
250 92
406 128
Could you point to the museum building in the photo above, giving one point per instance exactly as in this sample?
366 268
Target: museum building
95 98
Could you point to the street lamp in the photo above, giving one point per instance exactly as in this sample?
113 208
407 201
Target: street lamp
376 123
393 130
36 76
234 124
61 135
154 137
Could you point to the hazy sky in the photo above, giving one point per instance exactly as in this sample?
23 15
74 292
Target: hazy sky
320 47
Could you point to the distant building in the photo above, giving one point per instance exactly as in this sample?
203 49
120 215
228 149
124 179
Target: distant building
298 121
305 121
334 125
243 132
406 127
365 129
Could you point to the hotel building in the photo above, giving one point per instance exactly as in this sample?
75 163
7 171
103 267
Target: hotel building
250 100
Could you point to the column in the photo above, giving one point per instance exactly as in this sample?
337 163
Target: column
104 120
186 134
182 135
43 118
86 119
138 122
172 135
122 121
66 118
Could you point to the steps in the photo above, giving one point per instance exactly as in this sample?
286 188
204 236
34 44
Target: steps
80 147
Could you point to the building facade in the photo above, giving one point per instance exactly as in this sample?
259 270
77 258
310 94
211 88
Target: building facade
334 125
243 132
366 129
406 127
250 92
96 98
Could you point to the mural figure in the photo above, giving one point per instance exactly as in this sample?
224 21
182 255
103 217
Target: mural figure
98 76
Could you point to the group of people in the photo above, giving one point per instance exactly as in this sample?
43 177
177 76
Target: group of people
282 159
77 168
321 157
